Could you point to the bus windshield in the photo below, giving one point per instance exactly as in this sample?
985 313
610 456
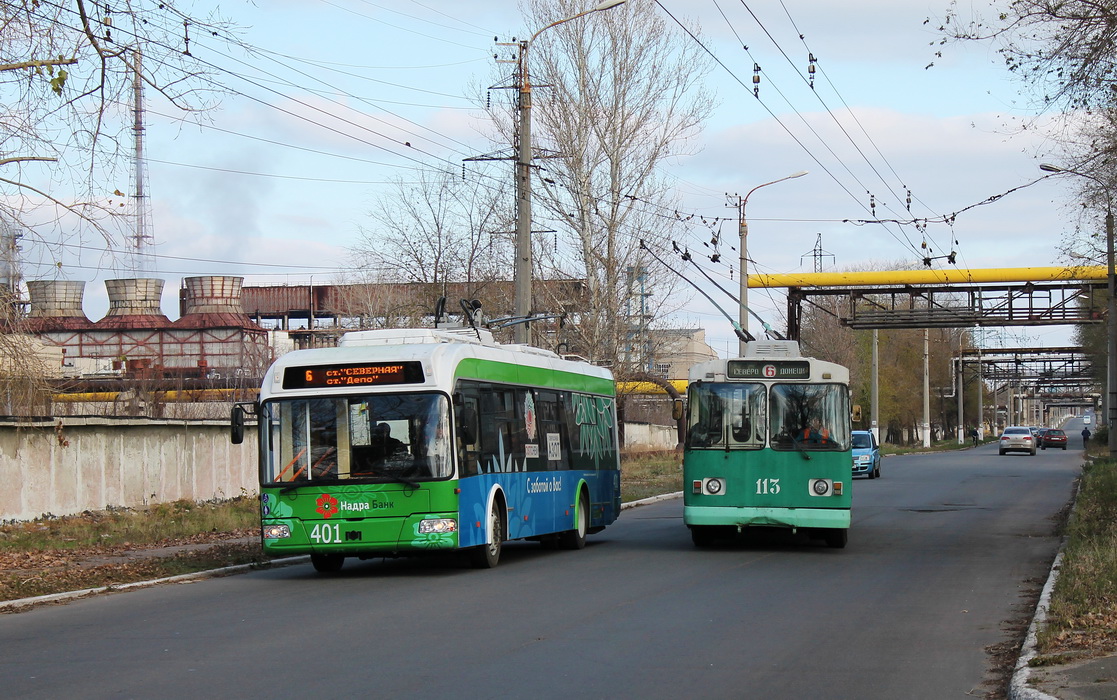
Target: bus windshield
727 415
809 417
375 438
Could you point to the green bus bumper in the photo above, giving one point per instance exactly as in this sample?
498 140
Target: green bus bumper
838 518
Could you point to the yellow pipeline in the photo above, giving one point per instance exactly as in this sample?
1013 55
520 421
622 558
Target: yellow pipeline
649 387
87 396
174 395
880 278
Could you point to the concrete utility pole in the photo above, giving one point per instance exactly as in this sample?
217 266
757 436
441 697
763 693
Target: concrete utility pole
521 301
926 387
743 229
874 391
958 399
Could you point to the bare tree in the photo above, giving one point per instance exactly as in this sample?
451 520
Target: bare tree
67 71
1064 50
618 95
441 229
437 229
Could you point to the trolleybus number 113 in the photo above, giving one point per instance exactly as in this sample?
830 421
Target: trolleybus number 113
765 487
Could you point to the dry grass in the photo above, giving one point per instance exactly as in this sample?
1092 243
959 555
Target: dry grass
124 545
645 474
130 526
1082 617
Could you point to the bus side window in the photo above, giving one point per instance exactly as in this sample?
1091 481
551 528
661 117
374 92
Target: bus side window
466 405
552 429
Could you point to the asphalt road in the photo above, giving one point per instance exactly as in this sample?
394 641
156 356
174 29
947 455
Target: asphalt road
943 551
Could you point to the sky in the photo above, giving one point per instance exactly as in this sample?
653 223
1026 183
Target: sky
277 183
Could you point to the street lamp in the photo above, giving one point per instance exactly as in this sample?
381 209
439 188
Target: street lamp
744 231
521 303
1111 321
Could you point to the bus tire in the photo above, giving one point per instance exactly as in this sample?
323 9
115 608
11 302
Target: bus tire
837 538
327 563
576 538
702 536
487 556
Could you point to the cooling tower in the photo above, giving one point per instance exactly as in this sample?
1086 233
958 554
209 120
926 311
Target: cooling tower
134 303
212 302
56 305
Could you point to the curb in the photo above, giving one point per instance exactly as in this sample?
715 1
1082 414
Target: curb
651 499
1018 688
13 605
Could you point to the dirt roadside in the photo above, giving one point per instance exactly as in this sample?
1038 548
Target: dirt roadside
30 574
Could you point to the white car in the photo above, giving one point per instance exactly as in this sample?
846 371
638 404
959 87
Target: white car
1018 438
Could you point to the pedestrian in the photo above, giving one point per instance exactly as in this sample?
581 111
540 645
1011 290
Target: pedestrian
1085 437
973 435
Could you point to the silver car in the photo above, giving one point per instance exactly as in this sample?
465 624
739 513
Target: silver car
1018 438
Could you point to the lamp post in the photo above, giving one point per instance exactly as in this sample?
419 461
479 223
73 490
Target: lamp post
743 227
521 302
1111 320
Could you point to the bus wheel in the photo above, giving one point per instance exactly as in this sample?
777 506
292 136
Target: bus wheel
702 536
837 538
576 538
488 555
327 563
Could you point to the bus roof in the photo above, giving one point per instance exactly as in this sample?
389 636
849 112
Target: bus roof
765 352
446 355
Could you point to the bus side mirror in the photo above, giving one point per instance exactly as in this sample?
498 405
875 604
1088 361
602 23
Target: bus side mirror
857 413
677 411
236 421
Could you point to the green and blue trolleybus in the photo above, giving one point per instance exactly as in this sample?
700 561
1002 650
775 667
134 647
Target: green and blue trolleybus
417 440
767 445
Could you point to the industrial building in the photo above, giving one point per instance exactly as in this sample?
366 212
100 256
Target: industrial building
212 339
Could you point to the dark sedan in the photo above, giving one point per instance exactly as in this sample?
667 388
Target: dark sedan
1054 438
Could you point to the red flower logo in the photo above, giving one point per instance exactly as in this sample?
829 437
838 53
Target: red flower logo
327 505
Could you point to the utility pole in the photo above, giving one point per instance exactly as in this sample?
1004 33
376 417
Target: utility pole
926 387
521 302
743 230
874 392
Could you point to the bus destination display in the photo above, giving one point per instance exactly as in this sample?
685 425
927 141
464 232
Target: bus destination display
364 374
767 369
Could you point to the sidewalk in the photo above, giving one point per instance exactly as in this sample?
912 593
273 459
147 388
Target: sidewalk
1092 679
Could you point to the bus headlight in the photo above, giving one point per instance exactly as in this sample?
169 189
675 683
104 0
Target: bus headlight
437 526
276 532
713 487
821 487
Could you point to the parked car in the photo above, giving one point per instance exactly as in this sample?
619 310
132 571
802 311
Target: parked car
866 454
1018 438
1054 438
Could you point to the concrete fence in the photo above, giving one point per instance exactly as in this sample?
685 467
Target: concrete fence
69 465
647 436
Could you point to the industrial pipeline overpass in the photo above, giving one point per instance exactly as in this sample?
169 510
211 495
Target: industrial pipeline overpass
1024 296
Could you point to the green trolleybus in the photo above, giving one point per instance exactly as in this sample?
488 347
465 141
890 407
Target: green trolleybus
767 445
416 440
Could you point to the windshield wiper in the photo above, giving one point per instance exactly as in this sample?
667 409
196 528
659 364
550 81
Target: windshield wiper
799 447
